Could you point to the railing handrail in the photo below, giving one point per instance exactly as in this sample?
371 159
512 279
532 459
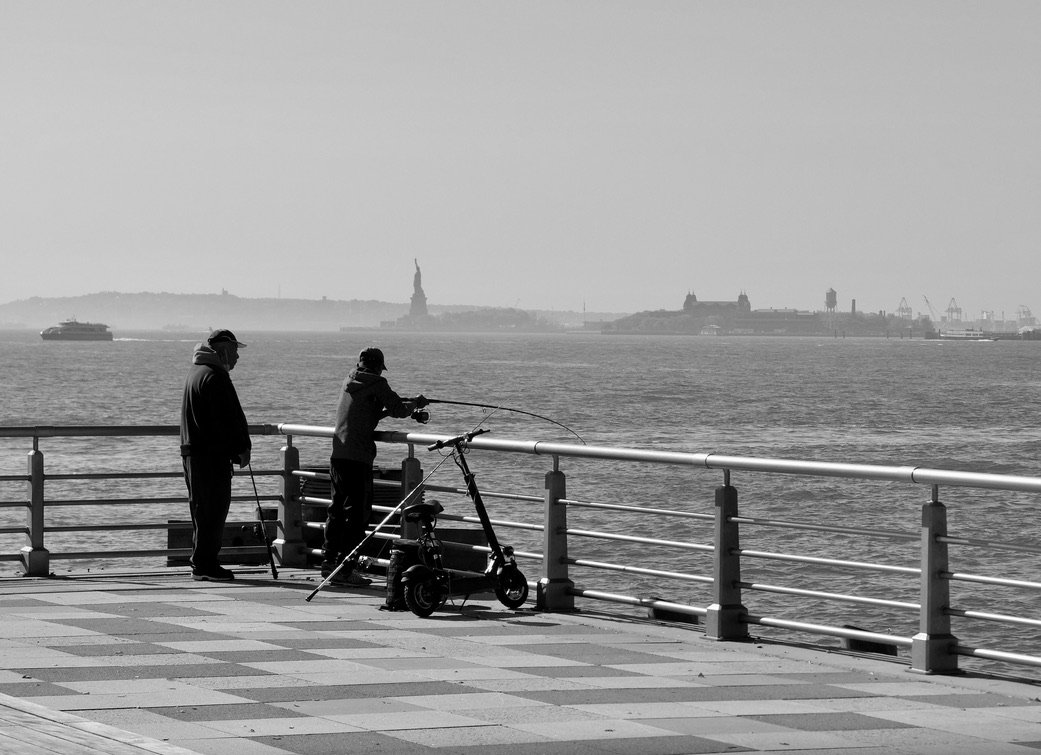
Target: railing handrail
891 473
73 431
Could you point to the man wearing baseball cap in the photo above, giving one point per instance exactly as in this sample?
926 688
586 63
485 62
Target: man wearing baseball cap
214 435
365 398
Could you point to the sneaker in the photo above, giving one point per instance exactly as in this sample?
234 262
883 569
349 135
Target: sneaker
343 577
356 580
216 574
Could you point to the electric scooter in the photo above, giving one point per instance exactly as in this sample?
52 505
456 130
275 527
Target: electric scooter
428 584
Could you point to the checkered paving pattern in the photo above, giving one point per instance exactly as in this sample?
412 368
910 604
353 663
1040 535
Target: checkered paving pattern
157 663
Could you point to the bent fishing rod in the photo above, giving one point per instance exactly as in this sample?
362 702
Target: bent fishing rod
505 409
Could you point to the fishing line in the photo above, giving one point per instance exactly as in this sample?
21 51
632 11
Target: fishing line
506 409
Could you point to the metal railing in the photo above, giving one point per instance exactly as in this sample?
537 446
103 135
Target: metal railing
726 608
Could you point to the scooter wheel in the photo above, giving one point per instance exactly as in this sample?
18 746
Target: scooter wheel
512 589
423 597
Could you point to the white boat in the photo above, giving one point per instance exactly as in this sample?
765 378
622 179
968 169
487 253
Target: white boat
966 334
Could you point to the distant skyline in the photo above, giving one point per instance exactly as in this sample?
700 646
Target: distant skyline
604 155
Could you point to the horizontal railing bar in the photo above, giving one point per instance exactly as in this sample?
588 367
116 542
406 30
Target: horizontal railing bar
780 523
495 522
136 475
242 550
636 539
990 545
998 655
15 478
637 570
112 501
112 475
527 498
381 535
109 431
852 634
829 562
634 601
980 579
636 509
918 475
484 493
138 501
185 525
829 596
14 530
1002 618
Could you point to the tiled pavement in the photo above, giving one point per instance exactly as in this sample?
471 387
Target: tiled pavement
156 663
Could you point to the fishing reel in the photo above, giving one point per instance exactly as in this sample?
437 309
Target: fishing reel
418 414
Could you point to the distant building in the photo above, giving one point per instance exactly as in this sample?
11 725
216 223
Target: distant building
738 308
719 318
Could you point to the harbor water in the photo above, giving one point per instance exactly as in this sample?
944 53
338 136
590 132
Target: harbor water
941 404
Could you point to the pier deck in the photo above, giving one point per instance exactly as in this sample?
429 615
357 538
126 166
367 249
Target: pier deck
157 663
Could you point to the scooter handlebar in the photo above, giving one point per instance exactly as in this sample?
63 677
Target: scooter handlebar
457 440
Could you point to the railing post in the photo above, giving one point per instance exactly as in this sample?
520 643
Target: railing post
411 476
36 559
554 589
724 619
933 648
289 541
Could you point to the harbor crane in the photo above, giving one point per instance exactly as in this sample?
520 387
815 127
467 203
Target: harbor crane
932 312
903 312
953 311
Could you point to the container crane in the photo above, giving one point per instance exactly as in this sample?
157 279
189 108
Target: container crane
903 311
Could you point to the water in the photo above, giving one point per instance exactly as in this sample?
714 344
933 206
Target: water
952 405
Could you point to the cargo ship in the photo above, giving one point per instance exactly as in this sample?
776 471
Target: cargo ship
72 330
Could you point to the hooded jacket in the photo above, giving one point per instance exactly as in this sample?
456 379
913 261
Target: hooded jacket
212 421
365 399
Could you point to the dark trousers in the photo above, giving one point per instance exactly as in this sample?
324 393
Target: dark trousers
209 498
351 507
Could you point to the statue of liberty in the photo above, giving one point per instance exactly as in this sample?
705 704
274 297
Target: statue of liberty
419 299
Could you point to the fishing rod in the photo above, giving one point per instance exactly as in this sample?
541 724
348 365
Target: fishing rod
263 528
505 409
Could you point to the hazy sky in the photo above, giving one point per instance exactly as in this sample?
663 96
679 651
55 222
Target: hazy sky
555 155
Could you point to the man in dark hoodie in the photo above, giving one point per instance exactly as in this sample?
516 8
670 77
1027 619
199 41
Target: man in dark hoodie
365 398
214 435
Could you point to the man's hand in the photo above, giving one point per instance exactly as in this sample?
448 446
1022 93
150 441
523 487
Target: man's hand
420 401
244 459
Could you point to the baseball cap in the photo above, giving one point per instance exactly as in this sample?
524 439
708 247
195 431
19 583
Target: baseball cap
224 336
372 358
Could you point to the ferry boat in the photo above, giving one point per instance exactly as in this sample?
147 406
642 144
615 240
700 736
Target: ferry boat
967 334
72 330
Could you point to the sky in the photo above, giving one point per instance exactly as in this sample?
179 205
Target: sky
565 155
